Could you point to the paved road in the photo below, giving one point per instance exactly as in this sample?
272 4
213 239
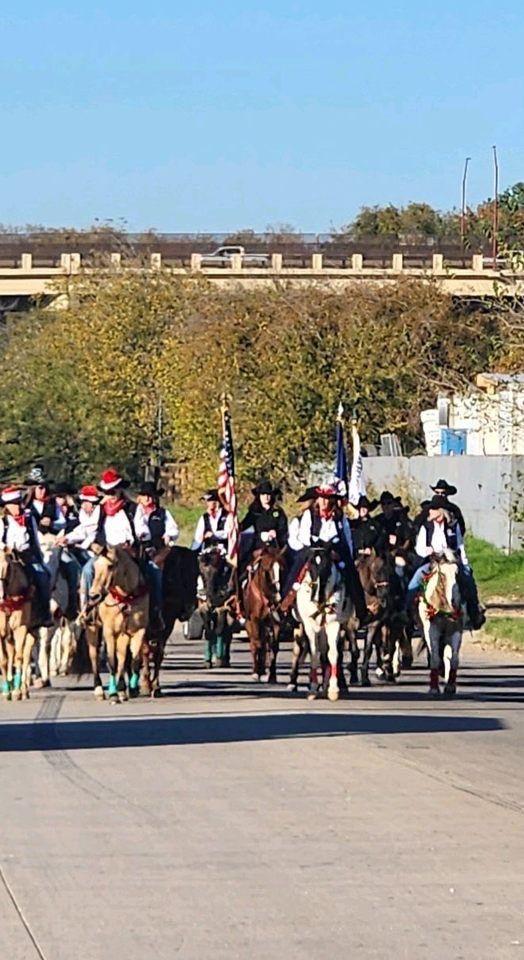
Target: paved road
232 821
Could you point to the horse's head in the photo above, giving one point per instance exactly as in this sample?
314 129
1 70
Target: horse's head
441 589
123 570
376 575
266 572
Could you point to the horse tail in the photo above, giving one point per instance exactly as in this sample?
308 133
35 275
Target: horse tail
81 662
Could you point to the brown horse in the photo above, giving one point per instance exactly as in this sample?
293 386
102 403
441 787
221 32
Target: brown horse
378 579
261 597
16 640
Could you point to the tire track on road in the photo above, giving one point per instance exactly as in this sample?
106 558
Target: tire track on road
62 763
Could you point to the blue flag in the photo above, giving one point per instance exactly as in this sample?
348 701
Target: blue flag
341 467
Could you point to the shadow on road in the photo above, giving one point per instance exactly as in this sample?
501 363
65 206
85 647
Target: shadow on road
168 731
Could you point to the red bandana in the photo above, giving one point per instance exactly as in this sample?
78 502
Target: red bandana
112 507
20 519
326 514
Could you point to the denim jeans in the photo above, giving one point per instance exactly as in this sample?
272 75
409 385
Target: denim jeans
41 580
87 578
154 582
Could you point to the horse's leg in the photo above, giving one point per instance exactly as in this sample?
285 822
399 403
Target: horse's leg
452 662
67 641
433 641
272 652
44 637
297 657
19 636
10 644
27 649
110 638
354 654
314 637
147 666
252 630
93 639
136 645
219 626
388 643
6 686
332 635
366 655
122 646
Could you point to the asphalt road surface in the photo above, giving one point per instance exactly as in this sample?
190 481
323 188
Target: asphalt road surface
230 820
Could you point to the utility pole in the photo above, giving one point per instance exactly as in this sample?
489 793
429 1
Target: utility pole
495 207
463 204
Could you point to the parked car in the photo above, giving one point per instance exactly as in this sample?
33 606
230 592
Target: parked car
222 257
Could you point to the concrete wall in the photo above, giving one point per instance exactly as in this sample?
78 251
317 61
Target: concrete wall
488 488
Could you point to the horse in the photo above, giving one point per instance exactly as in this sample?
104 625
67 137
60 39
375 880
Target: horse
383 600
441 613
119 602
323 607
261 596
56 643
16 638
179 599
216 591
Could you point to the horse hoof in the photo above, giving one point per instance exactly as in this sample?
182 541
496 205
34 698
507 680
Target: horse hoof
7 696
434 692
333 695
17 695
292 687
256 677
122 696
156 693
133 693
40 684
25 694
312 695
208 665
365 681
99 693
450 690
380 673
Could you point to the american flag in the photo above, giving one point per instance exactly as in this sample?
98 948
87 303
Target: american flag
226 485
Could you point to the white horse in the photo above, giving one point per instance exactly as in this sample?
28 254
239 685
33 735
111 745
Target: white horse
442 616
323 607
56 643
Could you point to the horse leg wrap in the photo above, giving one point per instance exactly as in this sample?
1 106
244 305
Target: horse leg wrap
220 648
17 683
434 680
6 686
134 681
112 687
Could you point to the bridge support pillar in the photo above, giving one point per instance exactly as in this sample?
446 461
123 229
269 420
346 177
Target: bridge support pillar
438 263
477 262
398 262
236 262
356 261
196 261
316 261
26 261
276 262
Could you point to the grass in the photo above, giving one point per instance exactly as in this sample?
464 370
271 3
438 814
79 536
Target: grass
187 518
508 629
497 574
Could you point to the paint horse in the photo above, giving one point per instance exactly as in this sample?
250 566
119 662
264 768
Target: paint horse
442 616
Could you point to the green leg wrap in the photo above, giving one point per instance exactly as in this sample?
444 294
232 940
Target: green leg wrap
17 683
208 651
112 689
134 680
220 647
6 686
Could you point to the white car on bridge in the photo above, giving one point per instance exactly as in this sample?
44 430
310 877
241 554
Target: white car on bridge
222 257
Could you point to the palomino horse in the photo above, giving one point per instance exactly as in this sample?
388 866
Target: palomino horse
261 597
442 617
323 608
215 575
121 599
383 602
55 644
16 640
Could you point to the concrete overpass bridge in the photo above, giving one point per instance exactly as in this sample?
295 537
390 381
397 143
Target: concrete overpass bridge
29 280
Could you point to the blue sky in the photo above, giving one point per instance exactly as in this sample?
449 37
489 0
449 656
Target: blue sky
217 115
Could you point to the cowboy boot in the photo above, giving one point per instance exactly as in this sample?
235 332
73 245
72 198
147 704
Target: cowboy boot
451 686
434 688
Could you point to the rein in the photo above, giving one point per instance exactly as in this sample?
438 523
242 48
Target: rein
127 599
453 614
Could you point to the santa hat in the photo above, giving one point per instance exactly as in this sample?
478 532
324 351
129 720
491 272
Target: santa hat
11 495
89 492
111 480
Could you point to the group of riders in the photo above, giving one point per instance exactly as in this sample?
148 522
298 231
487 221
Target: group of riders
87 521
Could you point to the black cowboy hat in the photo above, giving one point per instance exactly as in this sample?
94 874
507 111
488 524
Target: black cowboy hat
211 496
444 485
63 489
149 489
437 503
387 497
309 494
265 486
37 477
364 502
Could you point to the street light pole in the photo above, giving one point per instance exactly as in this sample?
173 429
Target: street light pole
495 207
463 204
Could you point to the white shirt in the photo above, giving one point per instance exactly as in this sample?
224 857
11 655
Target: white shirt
117 529
328 531
143 532
293 534
16 537
200 530
84 534
438 543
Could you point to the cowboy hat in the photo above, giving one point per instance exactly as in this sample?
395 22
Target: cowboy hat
37 477
149 489
387 497
364 502
444 485
111 480
265 486
309 494
89 492
211 496
329 491
11 495
437 503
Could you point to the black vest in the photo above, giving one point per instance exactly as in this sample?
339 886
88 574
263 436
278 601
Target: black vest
156 522
450 532
220 525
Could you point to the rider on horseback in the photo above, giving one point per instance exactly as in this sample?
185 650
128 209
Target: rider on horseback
80 537
211 529
440 531
325 522
156 529
18 531
265 523
366 530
